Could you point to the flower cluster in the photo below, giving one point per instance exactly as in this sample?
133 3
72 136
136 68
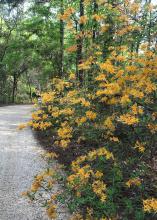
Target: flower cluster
133 182
150 205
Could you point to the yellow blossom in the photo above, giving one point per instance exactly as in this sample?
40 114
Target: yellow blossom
50 155
35 186
97 17
49 173
129 119
98 174
81 120
83 19
136 93
101 77
99 189
84 102
125 99
22 126
72 76
67 111
150 205
48 97
76 216
120 58
108 67
152 128
71 49
110 89
51 211
64 143
136 109
98 53
108 123
55 114
91 115
104 28
139 146
65 131
133 181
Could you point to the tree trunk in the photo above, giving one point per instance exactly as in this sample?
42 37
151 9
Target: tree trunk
95 10
14 88
80 45
61 40
29 85
149 27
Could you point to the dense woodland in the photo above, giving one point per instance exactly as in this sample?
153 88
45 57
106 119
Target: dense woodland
95 65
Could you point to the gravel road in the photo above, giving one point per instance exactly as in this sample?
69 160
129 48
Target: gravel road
20 160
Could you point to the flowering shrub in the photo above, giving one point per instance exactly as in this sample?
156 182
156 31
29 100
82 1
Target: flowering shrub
119 112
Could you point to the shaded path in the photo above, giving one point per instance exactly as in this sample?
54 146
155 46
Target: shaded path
19 161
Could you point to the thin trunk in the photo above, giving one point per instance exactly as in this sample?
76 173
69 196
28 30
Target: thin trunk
29 85
95 10
30 92
80 45
149 28
14 88
16 76
62 40
76 28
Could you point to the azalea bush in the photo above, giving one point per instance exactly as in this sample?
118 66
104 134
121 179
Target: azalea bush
115 127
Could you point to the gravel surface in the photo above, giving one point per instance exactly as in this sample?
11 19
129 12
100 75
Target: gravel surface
20 160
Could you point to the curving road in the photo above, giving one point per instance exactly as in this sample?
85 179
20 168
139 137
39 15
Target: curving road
19 161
